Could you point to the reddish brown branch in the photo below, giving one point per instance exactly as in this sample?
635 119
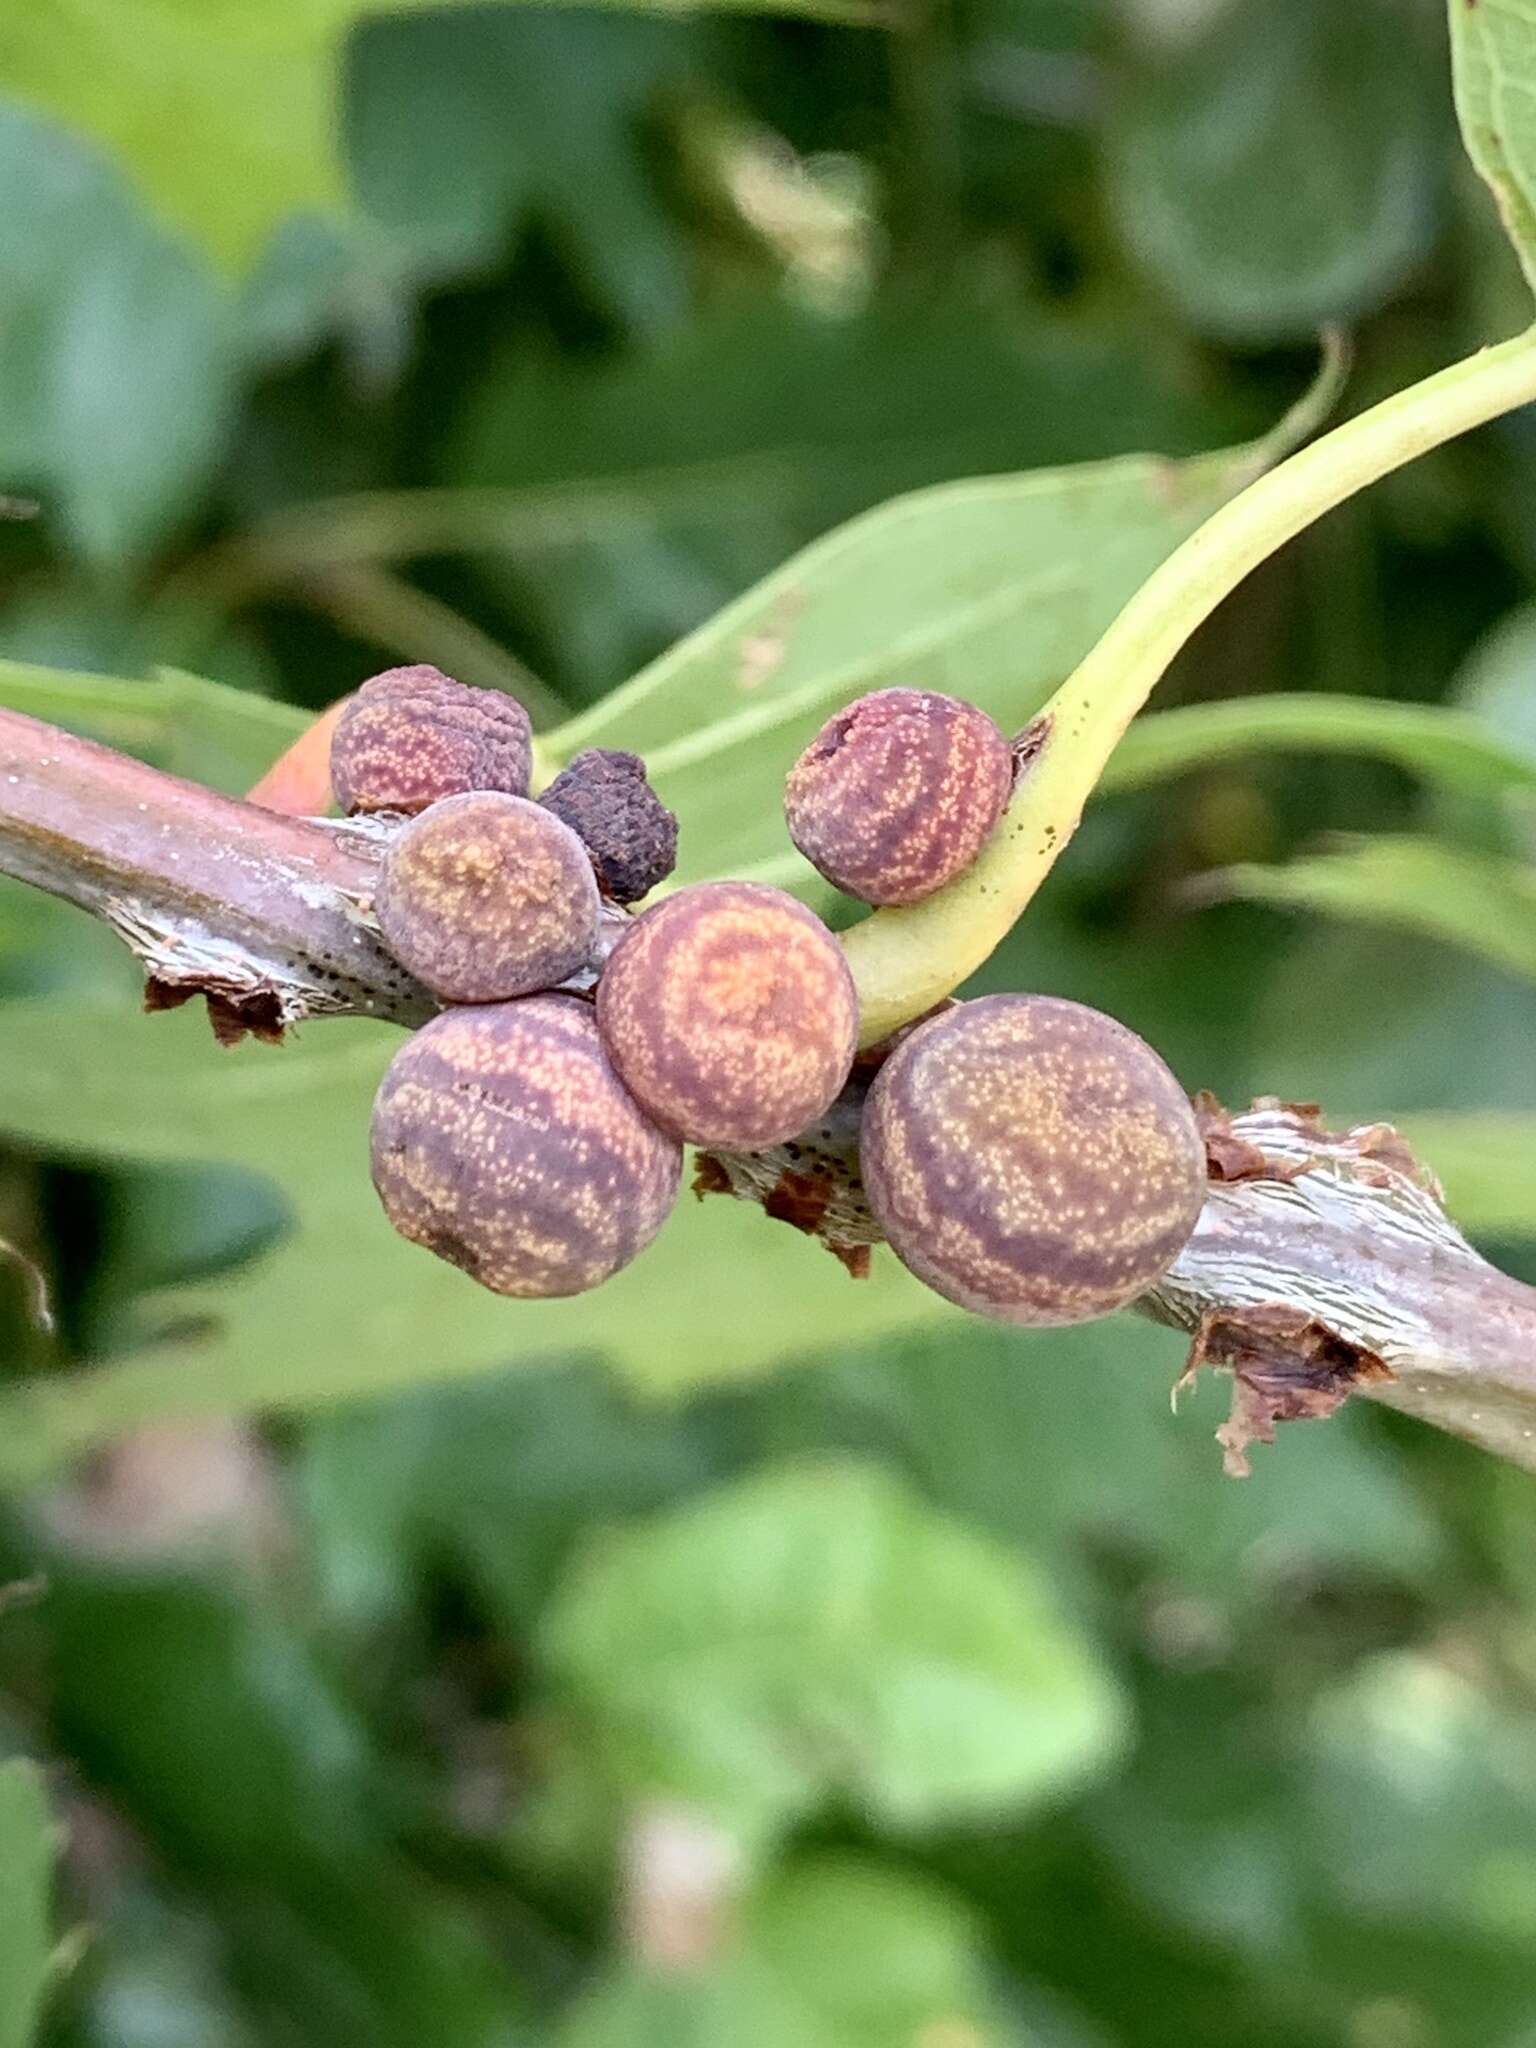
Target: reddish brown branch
266 915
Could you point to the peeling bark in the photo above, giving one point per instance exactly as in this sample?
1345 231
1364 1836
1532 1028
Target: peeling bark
266 915
1286 1366
1324 1264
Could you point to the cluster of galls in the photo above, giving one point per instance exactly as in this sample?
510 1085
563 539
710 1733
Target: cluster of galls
1026 1157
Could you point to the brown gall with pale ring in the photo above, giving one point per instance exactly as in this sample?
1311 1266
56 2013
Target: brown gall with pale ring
412 736
485 897
1032 1160
503 1142
899 793
730 1014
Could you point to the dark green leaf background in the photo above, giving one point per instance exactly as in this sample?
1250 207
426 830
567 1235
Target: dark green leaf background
381 1663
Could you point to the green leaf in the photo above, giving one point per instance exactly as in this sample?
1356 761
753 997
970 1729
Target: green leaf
158 1226
1425 1793
991 588
1487 1164
736 2000
1497 681
462 126
1273 170
84 624
834 1952
502 1473
206 1715
1401 1797
27 1841
156 1981
786 422
1451 749
817 1632
1376 1022
115 351
881 1955
1471 900
342 1306
225 113
1493 56
211 734
1110 1472
101 1085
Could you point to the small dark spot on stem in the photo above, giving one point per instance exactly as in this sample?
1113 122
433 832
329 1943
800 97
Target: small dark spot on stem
1029 744
1286 1366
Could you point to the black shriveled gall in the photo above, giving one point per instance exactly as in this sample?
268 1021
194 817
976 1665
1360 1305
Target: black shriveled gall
1032 1160
627 830
503 1141
899 793
485 896
413 735
729 1013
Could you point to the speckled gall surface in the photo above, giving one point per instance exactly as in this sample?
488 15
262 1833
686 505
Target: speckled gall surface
730 1013
413 735
899 793
1032 1159
485 897
503 1141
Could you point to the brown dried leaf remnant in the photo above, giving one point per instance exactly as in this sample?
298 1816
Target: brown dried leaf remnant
1235 1148
1232 1155
813 1190
813 1183
258 1013
1286 1366
1287 1363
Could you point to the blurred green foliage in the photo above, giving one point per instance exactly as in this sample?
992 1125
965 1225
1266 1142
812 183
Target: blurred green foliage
26 1830
741 1654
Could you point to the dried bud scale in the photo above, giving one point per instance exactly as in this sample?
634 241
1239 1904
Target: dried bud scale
629 833
729 1012
812 1182
1032 1159
503 1141
486 897
898 794
412 735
